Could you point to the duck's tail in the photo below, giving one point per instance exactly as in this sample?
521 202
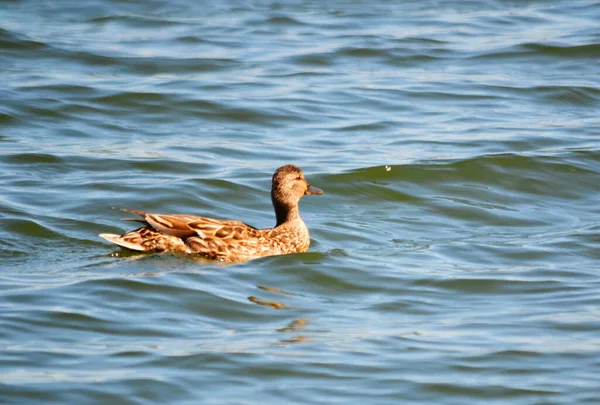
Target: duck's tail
118 240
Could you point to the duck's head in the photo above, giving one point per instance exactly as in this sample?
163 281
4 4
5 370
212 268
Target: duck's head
289 185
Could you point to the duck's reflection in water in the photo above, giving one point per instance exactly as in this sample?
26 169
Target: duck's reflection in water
294 326
272 304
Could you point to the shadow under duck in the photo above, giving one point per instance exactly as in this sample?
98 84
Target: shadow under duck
227 240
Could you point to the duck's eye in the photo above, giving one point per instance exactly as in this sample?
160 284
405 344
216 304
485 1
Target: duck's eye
299 178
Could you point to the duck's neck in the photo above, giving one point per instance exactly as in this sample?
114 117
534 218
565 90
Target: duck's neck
286 213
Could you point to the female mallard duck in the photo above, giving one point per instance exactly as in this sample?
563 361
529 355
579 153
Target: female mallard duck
225 240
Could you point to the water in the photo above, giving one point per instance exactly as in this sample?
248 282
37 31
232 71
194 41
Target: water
455 252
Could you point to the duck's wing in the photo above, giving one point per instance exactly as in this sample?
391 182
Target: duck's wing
223 229
184 226
169 224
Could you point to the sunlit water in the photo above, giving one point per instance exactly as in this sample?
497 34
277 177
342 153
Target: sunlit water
455 254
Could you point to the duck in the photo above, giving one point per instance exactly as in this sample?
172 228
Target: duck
227 240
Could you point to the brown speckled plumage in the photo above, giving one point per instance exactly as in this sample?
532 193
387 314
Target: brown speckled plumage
227 240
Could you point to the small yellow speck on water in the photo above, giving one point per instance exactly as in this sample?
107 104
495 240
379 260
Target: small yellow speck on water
388 168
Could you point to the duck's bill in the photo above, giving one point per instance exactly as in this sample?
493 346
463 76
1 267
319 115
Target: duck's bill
313 190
